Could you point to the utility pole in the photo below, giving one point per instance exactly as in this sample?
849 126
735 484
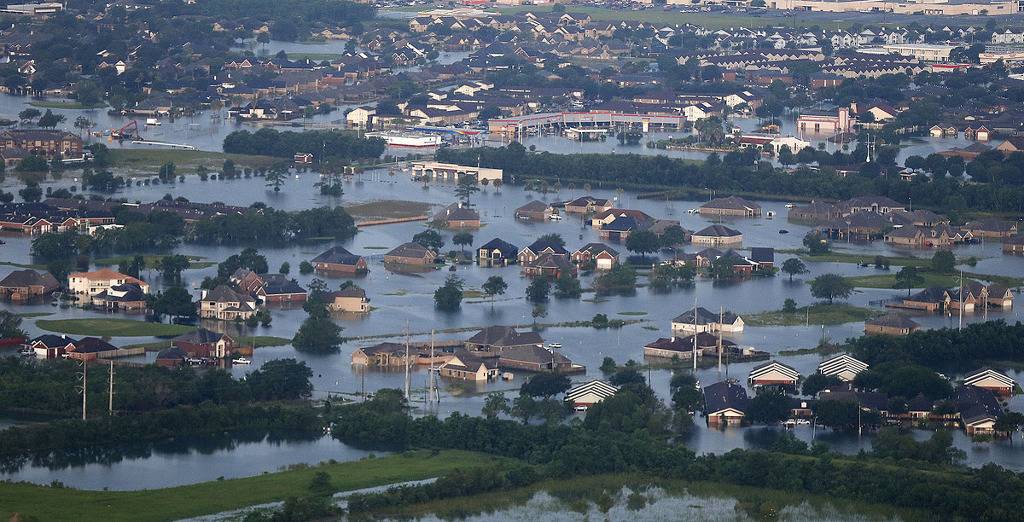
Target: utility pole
694 356
85 386
110 393
720 314
407 362
960 325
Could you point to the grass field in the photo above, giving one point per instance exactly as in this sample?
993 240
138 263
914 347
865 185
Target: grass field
146 162
887 280
49 104
821 313
112 327
846 257
195 262
45 503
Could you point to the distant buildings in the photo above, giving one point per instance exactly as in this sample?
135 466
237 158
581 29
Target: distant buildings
704 320
730 206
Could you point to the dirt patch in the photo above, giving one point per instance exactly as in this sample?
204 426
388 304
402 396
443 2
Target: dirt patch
387 209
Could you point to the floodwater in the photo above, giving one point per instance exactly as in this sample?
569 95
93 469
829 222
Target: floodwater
651 504
193 459
405 301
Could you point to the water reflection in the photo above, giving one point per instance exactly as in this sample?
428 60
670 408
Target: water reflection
655 504
182 460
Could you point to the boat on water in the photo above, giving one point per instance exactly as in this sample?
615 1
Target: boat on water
790 205
152 121
554 345
407 139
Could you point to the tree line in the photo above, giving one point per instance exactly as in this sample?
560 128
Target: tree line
324 145
736 173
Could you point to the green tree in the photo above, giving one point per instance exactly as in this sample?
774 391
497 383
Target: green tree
318 334
722 268
545 385
816 382
285 268
171 266
831 286
465 189
166 173
608 366
768 407
53 246
817 244
568 287
673 236
538 290
686 395
31 193
462 239
944 262
281 379
552 238
49 120
909 278
642 242
794 266
448 297
276 176
174 302
429 238
844 415
29 115
495 404
83 124
495 285
789 306
305 267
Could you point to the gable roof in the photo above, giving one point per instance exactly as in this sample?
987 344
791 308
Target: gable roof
841 363
503 336
774 366
337 255
29 277
507 249
724 395
718 231
988 373
598 387
410 250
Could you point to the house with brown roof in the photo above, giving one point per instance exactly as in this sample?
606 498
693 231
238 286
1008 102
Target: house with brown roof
226 304
499 338
468 367
1014 245
991 228
457 216
716 235
340 261
410 254
22 285
730 206
533 358
550 265
535 211
931 299
351 299
602 256
206 343
891 324
88 284
587 205
538 248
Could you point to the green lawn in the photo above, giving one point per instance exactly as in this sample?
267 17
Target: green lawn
45 503
195 262
112 327
846 257
821 313
186 161
887 280
49 104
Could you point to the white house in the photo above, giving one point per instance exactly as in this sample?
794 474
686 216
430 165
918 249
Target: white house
589 394
843 367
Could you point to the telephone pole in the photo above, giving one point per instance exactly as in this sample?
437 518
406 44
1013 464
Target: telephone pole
85 386
110 393
407 397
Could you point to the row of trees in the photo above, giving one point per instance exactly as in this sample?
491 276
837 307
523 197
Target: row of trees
50 388
329 144
738 176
